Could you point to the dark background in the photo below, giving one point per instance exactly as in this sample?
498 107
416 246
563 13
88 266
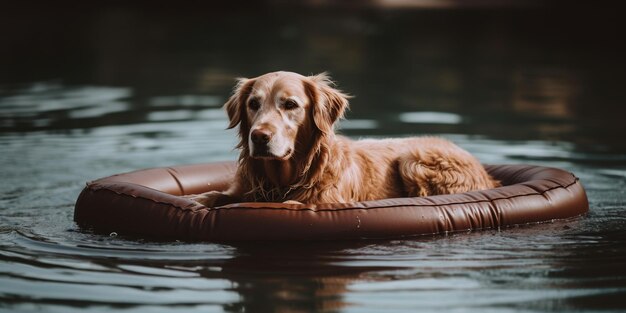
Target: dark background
552 65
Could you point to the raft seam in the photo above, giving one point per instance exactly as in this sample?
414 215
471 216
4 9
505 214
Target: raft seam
399 205
100 187
180 185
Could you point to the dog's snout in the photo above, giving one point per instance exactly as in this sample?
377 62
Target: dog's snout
260 136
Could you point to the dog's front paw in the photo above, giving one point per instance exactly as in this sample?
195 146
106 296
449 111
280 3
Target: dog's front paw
292 202
211 198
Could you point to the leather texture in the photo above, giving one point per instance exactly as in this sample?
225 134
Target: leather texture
147 203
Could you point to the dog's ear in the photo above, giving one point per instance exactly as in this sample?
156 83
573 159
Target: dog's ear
328 104
236 105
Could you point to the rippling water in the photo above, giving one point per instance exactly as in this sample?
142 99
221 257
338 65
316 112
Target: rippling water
127 108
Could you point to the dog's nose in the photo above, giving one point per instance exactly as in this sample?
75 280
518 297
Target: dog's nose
261 136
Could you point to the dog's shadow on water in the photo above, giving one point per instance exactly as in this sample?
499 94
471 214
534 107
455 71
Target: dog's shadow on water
293 276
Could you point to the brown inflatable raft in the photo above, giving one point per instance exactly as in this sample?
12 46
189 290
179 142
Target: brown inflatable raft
148 203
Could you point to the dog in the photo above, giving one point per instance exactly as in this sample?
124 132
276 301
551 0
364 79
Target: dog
290 152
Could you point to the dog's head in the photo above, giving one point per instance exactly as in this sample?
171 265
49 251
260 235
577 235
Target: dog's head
281 112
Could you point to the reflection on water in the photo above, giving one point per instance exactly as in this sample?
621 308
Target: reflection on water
430 118
120 87
45 105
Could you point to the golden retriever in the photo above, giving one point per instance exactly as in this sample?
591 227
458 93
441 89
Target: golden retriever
290 152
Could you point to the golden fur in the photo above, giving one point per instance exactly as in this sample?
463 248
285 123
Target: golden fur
289 151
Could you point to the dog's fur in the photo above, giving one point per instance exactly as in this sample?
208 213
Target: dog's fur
289 151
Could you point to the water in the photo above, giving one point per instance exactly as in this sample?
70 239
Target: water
122 87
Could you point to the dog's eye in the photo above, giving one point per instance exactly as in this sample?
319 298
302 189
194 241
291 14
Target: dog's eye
254 104
290 105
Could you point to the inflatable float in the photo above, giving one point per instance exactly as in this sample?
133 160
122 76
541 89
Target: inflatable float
148 203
